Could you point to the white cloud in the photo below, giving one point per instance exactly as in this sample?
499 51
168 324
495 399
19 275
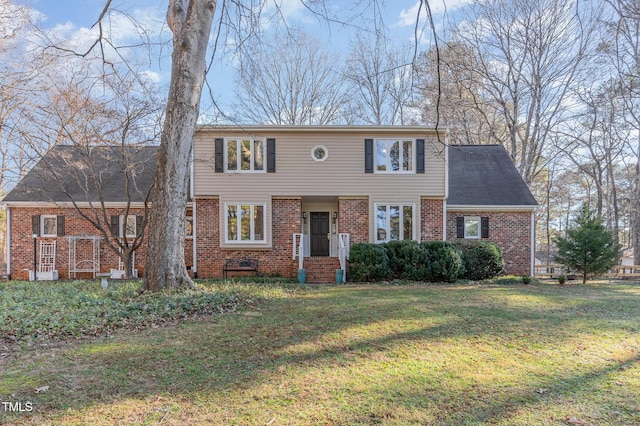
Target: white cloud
408 16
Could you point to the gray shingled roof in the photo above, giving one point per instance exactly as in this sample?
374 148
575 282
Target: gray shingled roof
484 175
65 173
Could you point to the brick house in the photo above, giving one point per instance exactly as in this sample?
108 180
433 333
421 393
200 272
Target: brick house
292 196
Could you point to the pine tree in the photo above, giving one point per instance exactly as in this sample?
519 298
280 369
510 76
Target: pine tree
588 247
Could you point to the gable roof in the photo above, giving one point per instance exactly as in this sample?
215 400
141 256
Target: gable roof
65 173
484 175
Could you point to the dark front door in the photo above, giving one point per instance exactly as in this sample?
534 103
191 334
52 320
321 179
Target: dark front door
319 234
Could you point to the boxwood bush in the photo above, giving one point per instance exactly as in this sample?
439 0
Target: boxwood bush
368 262
443 261
407 260
482 260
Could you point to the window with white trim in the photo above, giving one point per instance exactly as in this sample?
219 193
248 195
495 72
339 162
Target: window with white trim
245 155
394 156
394 222
472 227
245 223
188 227
128 226
49 225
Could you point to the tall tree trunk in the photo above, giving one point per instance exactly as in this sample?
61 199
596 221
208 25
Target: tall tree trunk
635 210
190 22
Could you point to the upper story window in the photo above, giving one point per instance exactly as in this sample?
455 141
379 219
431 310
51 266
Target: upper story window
245 155
394 156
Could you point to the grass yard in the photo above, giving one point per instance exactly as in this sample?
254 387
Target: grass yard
465 354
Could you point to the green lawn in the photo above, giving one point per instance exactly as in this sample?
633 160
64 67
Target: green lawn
464 354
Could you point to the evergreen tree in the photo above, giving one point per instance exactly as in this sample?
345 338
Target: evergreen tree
588 247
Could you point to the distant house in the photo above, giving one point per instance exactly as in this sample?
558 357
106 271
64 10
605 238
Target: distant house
300 195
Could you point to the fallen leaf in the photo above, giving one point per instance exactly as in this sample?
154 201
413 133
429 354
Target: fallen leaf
42 389
576 421
542 391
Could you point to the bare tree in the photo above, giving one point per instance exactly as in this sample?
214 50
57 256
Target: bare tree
380 79
622 43
100 129
528 55
289 81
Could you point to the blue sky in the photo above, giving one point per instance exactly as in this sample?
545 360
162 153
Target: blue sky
72 19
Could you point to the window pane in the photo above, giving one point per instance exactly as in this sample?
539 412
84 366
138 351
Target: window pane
407 161
394 215
407 222
49 226
131 226
471 227
381 223
394 156
245 153
381 155
188 227
232 155
258 223
232 223
258 154
245 223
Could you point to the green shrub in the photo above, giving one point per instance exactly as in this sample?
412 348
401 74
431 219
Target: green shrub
482 260
407 260
368 262
443 261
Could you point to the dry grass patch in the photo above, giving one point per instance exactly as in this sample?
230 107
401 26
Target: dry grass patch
367 354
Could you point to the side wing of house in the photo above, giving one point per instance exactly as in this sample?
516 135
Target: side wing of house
488 200
258 191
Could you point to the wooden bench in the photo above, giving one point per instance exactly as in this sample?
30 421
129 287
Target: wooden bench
240 265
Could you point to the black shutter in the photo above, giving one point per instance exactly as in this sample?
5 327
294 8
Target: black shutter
35 224
115 226
419 155
60 226
271 155
138 224
219 155
484 227
460 227
368 155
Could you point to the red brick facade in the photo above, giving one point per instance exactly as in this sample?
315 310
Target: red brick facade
432 219
511 231
275 261
74 224
354 219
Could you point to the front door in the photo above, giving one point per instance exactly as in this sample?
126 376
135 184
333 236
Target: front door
319 234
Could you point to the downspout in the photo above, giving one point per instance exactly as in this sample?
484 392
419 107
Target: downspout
194 240
194 267
8 243
533 243
446 189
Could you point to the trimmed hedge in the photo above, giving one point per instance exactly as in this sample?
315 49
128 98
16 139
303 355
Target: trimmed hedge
482 260
433 261
368 262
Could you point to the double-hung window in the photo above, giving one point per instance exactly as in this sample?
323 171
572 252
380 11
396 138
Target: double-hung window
245 155
394 222
245 223
49 225
394 156
472 227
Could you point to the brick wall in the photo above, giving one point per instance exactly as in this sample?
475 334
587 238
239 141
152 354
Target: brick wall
432 221
75 224
511 231
275 261
354 219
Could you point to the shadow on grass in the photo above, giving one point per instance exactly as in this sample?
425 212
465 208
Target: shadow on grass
329 328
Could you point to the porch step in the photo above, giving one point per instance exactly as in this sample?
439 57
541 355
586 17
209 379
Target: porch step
321 269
